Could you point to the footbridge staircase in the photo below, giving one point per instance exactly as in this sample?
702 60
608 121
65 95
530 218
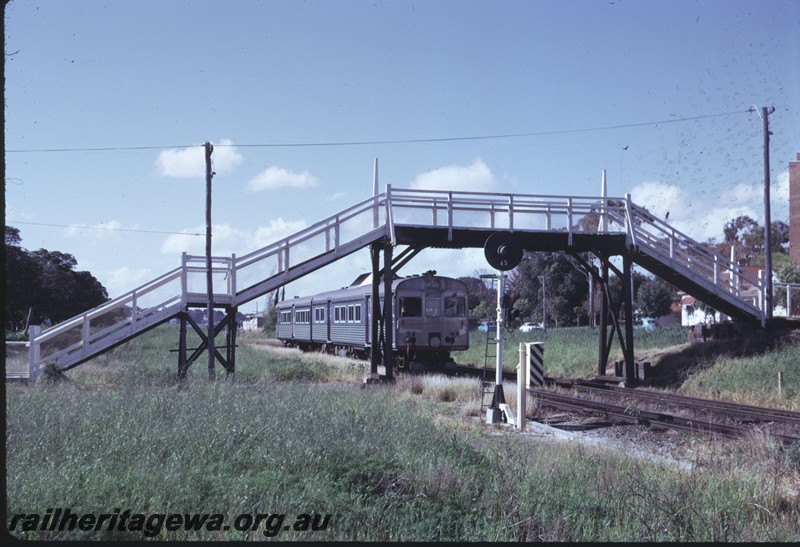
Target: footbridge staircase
418 219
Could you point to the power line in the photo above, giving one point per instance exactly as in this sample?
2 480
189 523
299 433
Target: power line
394 141
10 222
102 149
498 136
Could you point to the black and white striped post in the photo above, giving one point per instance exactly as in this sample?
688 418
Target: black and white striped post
535 359
522 388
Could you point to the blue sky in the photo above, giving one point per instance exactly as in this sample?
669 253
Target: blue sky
655 93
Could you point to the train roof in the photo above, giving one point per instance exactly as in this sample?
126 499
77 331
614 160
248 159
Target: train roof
361 286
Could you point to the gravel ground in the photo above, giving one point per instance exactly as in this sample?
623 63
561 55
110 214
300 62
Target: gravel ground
653 444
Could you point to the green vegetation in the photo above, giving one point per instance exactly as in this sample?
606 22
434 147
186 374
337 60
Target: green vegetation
300 434
570 351
43 286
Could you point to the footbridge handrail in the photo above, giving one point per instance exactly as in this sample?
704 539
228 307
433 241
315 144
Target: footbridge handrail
335 235
696 260
104 325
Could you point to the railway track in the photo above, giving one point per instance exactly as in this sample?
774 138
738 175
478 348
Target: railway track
740 412
669 411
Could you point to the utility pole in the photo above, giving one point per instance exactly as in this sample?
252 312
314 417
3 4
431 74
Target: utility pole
765 112
544 305
209 277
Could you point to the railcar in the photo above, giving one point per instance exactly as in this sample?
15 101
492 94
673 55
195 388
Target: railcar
429 321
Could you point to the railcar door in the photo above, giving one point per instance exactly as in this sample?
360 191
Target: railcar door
328 319
368 320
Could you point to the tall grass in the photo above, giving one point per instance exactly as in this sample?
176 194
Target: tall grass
302 435
753 378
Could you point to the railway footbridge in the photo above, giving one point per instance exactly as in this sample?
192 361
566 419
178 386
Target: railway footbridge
594 230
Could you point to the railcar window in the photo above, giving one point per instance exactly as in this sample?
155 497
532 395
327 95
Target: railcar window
410 306
433 306
302 316
455 306
347 313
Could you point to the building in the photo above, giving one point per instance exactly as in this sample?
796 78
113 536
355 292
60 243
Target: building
794 210
693 313
252 322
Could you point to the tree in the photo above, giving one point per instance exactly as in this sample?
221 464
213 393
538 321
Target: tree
565 287
742 235
480 296
654 298
12 236
746 237
45 286
22 275
789 273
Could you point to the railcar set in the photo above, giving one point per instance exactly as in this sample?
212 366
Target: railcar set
429 321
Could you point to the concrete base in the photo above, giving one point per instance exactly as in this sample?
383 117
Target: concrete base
494 416
372 378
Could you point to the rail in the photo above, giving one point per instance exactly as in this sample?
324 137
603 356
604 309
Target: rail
240 279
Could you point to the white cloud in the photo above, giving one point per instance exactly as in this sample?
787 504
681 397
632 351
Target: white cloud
191 162
227 240
277 229
779 198
475 177
122 280
336 196
273 178
99 232
702 219
187 241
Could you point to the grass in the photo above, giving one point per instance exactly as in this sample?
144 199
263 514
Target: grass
301 435
753 378
567 351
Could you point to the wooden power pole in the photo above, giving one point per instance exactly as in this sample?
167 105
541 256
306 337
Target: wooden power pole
765 112
209 276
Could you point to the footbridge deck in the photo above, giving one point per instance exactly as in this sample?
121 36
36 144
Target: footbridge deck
611 226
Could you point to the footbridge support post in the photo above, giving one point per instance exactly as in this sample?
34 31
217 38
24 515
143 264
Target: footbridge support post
388 334
602 362
375 313
610 313
186 356
381 320
627 290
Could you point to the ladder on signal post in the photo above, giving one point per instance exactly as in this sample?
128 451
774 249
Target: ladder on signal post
488 383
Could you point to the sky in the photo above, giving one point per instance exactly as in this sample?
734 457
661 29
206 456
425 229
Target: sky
108 103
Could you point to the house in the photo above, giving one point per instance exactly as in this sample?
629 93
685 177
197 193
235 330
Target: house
252 322
694 313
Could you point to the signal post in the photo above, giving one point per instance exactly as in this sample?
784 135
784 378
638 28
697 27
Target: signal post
503 252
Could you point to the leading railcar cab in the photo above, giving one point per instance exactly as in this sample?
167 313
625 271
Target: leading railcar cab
429 320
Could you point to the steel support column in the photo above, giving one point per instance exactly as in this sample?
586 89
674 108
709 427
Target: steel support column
228 362
182 366
388 315
233 325
602 362
627 295
375 315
